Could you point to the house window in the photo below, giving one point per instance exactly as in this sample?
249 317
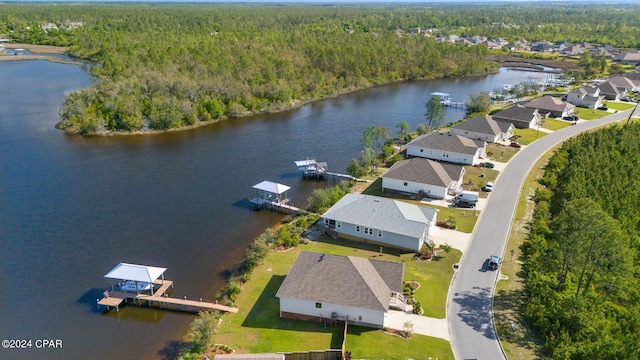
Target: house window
406 183
357 228
368 231
421 150
338 224
379 233
319 305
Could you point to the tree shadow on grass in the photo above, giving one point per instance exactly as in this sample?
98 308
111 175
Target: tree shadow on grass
510 322
361 245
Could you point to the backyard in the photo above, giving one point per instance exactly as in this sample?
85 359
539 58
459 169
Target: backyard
257 327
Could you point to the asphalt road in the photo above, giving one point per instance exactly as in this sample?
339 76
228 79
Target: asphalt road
470 299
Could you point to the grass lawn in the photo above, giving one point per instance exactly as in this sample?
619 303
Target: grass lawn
527 136
258 328
475 178
500 153
554 124
590 114
622 106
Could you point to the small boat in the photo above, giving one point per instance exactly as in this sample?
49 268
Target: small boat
131 285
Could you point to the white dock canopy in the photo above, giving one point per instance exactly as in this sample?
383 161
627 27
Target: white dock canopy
133 272
271 187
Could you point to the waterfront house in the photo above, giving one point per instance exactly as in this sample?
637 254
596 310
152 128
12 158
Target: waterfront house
330 288
374 219
586 96
447 147
551 106
484 128
423 177
520 116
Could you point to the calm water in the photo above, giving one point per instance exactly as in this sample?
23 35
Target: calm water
71 208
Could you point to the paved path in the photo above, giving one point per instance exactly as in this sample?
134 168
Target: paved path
470 299
422 325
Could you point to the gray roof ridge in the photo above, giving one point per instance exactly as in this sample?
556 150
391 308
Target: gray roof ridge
372 278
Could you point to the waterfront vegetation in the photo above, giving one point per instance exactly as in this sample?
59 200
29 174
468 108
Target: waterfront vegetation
168 66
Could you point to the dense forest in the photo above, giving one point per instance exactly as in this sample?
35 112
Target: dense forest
582 258
163 66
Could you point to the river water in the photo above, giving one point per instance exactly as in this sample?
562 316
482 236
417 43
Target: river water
71 208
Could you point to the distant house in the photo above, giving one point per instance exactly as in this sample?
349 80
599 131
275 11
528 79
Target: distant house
520 116
380 220
418 175
586 96
483 128
625 83
326 288
610 91
628 57
447 147
551 106
542 46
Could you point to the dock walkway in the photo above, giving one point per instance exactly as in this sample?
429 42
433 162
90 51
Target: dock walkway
116 298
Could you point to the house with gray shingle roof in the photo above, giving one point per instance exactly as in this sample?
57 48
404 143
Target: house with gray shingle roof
484 128
518 115
625 83
586 96
380 220
610 91
551 106
447 147
326 287
423 176
628 57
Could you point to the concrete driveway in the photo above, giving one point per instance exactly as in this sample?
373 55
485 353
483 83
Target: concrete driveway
422 325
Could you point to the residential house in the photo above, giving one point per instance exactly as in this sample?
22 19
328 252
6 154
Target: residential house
628 57
625 83
484 128
520 116
551 106
329 288
447 147
610 91
380 220
542 46
586 96
424 177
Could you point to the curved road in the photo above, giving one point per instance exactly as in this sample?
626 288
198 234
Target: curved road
470 299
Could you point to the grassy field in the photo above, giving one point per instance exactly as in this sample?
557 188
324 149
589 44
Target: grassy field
554 124
590 114
258 328
527 136
500 153
621 106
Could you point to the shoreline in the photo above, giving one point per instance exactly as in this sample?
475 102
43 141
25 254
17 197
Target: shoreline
43 52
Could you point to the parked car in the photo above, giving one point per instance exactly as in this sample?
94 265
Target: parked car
488 187
603 108
494 262
570 118
516 144
464 204
487 164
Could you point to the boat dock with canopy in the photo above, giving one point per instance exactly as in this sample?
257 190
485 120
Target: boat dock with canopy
134 281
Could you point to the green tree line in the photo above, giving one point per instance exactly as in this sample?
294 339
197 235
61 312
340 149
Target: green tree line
163 66
582 258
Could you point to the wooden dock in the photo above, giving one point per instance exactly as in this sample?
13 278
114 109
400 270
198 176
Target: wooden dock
281 206
116 298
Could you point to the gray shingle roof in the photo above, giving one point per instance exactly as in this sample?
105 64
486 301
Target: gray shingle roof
424 171
447 142
548 103
483 124
608 88
388 215
516 113
342 280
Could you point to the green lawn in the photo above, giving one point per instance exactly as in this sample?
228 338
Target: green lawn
465 219
527 136
554 124
475 178
621 106
258 328
590 114
500 153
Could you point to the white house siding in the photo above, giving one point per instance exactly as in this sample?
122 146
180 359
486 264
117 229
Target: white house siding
384 237
355 315
440 155
432 191
477 136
